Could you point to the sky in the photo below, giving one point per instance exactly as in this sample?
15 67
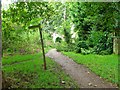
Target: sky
5 3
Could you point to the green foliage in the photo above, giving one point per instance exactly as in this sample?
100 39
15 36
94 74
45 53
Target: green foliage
101 42
85 51
27 73
16 20
58 39
81 44
95 28
67 36
106 66
61 46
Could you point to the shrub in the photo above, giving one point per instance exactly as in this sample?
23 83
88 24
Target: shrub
63 46
101 42
58 39
80 44
105 52
85 51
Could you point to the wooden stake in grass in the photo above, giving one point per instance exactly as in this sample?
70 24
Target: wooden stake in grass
40 30
42 47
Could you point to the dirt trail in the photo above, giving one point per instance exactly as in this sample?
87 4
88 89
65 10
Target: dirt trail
82 75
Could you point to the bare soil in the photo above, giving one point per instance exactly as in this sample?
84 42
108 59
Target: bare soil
81 74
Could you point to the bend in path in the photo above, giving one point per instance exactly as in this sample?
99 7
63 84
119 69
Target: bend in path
82 75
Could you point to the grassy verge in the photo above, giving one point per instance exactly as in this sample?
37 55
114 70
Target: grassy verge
30 74
8 60
17 58
105 66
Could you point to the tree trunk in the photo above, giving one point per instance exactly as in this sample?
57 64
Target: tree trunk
0 50
116 41
116 45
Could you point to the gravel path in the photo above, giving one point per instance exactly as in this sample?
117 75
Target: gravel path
82 75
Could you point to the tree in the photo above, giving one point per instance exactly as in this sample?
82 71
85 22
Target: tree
0 50
89 17
17 19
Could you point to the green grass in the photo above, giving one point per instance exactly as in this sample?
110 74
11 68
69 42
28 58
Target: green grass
105 66
17 58
30 74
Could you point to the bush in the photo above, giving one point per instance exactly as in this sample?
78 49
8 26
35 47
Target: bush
85 51
101 42
80 44
96 44
63 46
105 52
58 39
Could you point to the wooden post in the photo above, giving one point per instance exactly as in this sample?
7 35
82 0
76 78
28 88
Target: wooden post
38 26
42 47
